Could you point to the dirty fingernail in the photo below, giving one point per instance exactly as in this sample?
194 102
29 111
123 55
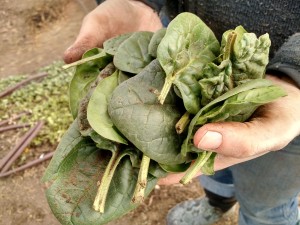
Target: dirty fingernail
211 140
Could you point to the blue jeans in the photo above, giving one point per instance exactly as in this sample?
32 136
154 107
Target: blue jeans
266 187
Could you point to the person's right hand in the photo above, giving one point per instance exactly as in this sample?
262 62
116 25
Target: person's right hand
111 18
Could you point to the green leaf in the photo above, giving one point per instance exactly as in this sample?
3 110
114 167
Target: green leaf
111 45
102 142
84 75
83 123
97 114
213 109
175 168
186 48
156 170
123 76
208 167
155 40
132 55
216 81
250 55
150 126
72 193
70 140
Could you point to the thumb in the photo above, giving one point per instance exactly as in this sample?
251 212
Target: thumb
241 140
91 35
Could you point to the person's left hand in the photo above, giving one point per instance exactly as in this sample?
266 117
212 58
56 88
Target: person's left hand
271 128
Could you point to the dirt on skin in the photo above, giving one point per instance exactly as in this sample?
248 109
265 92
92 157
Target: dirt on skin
34 33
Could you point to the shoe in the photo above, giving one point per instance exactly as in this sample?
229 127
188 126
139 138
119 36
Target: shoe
194 212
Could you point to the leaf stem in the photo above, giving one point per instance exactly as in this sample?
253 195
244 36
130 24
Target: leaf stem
182 123
195 167
82 61
99 203
229 45
139 192
165 90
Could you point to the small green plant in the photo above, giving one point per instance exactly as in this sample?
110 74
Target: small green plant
46 100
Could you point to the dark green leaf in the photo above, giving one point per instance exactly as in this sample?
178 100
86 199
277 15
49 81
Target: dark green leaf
176 168
70 140
150 126
72 194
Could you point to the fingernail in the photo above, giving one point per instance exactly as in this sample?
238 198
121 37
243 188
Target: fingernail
211 140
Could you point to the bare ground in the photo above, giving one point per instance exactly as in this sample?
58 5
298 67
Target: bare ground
34 33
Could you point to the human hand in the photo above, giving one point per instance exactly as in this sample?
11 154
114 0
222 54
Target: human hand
239 142
111 18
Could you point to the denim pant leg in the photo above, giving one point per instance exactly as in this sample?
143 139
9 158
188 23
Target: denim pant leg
266 187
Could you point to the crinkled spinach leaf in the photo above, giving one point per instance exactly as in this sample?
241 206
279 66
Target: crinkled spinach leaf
250 54
186 48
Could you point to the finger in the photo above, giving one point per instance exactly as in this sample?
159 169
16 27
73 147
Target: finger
222 161
240 140
91 35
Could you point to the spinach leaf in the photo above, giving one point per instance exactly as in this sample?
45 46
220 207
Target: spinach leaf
70 140
150 126
155 40
250 54
132 55
175 168
238 105
111 45
216 81
85 74
97 114
83 123
243 57
72 193
123 76
186 48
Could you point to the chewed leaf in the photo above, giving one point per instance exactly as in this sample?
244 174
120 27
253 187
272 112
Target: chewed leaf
132 55
97 113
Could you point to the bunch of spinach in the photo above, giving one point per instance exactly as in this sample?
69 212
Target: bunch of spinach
136 105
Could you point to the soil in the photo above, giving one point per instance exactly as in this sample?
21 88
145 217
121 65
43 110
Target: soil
34 33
